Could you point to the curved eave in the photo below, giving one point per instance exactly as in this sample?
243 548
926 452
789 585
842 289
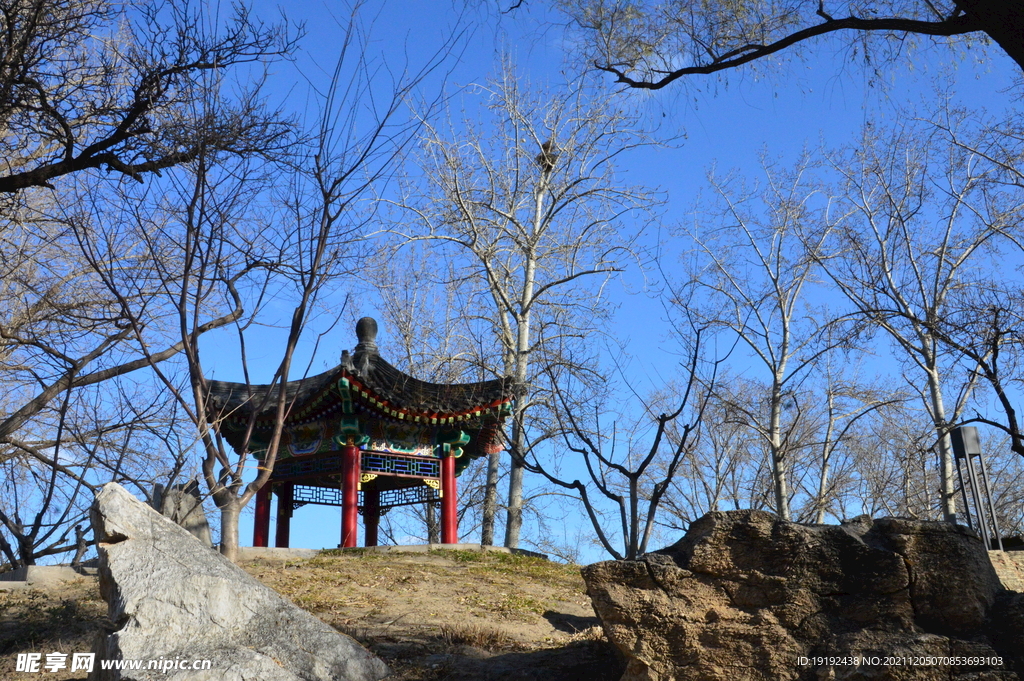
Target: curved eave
384 391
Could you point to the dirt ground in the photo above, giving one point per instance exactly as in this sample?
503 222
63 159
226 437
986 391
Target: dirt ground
446 615
63 619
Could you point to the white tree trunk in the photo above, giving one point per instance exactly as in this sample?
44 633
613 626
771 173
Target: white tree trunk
779 480
522 361
490 499
514 523
947 501
229 530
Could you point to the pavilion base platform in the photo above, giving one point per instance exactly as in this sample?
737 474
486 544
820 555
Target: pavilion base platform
266 553
424 548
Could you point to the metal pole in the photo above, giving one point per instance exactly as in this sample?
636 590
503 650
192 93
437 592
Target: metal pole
991 505
963 492
978 506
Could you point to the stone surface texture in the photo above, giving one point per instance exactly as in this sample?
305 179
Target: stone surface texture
173 598
1009 566
744 595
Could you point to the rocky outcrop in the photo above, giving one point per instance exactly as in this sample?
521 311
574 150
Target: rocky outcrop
173 599
1009 565
746 596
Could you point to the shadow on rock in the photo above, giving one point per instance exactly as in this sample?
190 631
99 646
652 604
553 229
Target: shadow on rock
570 624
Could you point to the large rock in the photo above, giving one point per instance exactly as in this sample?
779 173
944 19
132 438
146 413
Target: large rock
744 596
172 598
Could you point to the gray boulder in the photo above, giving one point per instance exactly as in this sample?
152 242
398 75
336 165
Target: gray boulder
747 596
173 599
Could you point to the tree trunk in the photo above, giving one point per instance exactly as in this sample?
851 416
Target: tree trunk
27 556
522 359
781 487
514 523
946 487
632 541
819 515
826 458
8 551
81 546
778 455
229 531
490 499
433 526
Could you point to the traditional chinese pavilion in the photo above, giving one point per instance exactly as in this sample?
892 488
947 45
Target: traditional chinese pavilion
366 437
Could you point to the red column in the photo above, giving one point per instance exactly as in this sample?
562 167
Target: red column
284 514
449 516
261 528
371 515
349 495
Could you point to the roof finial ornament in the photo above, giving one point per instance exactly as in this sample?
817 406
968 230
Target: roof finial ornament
366 332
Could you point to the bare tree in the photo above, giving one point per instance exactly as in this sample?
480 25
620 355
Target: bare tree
650 44
982 326
755 281
225 250
632 467
91 436
916 218
893 465
841 395
721 465
532 213
93 84
73 99
71 418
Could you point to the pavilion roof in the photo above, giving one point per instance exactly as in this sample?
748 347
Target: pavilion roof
379 386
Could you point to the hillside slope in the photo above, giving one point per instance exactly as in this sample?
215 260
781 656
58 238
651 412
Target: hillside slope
445 615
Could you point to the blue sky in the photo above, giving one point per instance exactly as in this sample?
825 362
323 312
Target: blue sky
724 120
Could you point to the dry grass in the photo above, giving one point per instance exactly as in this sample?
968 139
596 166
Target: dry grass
52 619
595 633
477 636
424 613
442 616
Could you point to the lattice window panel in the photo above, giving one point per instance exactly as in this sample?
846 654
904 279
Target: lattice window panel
371 462
406 496
389 498
322 496
395 464
290 468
